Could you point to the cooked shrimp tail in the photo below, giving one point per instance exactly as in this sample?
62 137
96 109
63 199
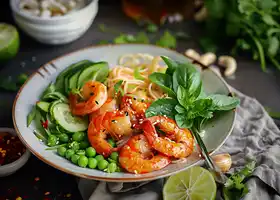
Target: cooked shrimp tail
177 142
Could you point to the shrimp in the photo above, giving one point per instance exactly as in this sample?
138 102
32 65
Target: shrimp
137 157
178 142
135 107
109 106
111 124
95 95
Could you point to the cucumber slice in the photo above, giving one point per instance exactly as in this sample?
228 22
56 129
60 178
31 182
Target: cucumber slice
99 72
55 96
59 84
64 117
44 106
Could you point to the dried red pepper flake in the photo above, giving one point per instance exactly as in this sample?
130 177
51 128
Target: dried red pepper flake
45 124
11 148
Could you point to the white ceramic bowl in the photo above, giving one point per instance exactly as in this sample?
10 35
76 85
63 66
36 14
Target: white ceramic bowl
216 130
11 168
57 30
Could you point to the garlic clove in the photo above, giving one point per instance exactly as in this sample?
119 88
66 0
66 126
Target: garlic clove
223 161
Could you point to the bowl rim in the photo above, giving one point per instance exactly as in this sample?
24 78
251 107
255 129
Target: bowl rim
17 162
14 8
86 176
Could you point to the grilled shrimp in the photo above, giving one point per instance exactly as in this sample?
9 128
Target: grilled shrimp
109 106
135 107
178 142
111 124
94 94
137 157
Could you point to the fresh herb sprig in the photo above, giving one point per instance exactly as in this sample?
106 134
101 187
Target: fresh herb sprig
252 24
235 188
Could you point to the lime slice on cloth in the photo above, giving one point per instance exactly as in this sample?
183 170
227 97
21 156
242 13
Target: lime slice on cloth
196 183
9 41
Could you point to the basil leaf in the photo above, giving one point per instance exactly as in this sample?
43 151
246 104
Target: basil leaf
163 107
180 109
164 82
187 76
172 65
201 108
222 102
183 121
117 86
137 74
31 115
183 96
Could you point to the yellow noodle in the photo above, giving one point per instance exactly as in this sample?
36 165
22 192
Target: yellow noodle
146 64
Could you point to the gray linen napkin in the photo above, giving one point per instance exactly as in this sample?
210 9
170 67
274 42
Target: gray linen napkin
255 135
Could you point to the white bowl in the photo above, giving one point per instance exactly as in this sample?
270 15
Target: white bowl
216 130
56 30
11 168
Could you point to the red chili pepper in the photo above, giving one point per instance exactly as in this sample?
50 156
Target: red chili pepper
45 124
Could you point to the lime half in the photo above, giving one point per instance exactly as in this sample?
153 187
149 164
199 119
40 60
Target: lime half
196 183
9 41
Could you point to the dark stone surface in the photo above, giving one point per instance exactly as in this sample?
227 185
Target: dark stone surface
249 79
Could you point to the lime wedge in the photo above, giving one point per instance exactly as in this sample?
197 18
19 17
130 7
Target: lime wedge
196 183
9 41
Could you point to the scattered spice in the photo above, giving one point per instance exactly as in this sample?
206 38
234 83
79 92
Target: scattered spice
11 148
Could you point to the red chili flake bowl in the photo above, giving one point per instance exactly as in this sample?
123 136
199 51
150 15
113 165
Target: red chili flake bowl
17 157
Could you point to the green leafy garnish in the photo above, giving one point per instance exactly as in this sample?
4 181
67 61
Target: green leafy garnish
137 74
235 188
118 88
31 116
252 25
167 40
152 28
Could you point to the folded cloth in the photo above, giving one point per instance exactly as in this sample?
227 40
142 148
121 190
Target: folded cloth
255 135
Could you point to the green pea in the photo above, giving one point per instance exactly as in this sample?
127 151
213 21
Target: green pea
61 151
111 160
112 167
92 163
90 152
75 158
118 169
74 145
81 152
84 144
83 161
69 153
112 142
52 140
102 164
114 156
63 138
78 136
99 158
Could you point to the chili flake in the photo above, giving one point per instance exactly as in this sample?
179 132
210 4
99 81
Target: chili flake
11 148
45 124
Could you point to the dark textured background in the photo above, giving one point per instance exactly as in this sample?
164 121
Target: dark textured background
249 79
